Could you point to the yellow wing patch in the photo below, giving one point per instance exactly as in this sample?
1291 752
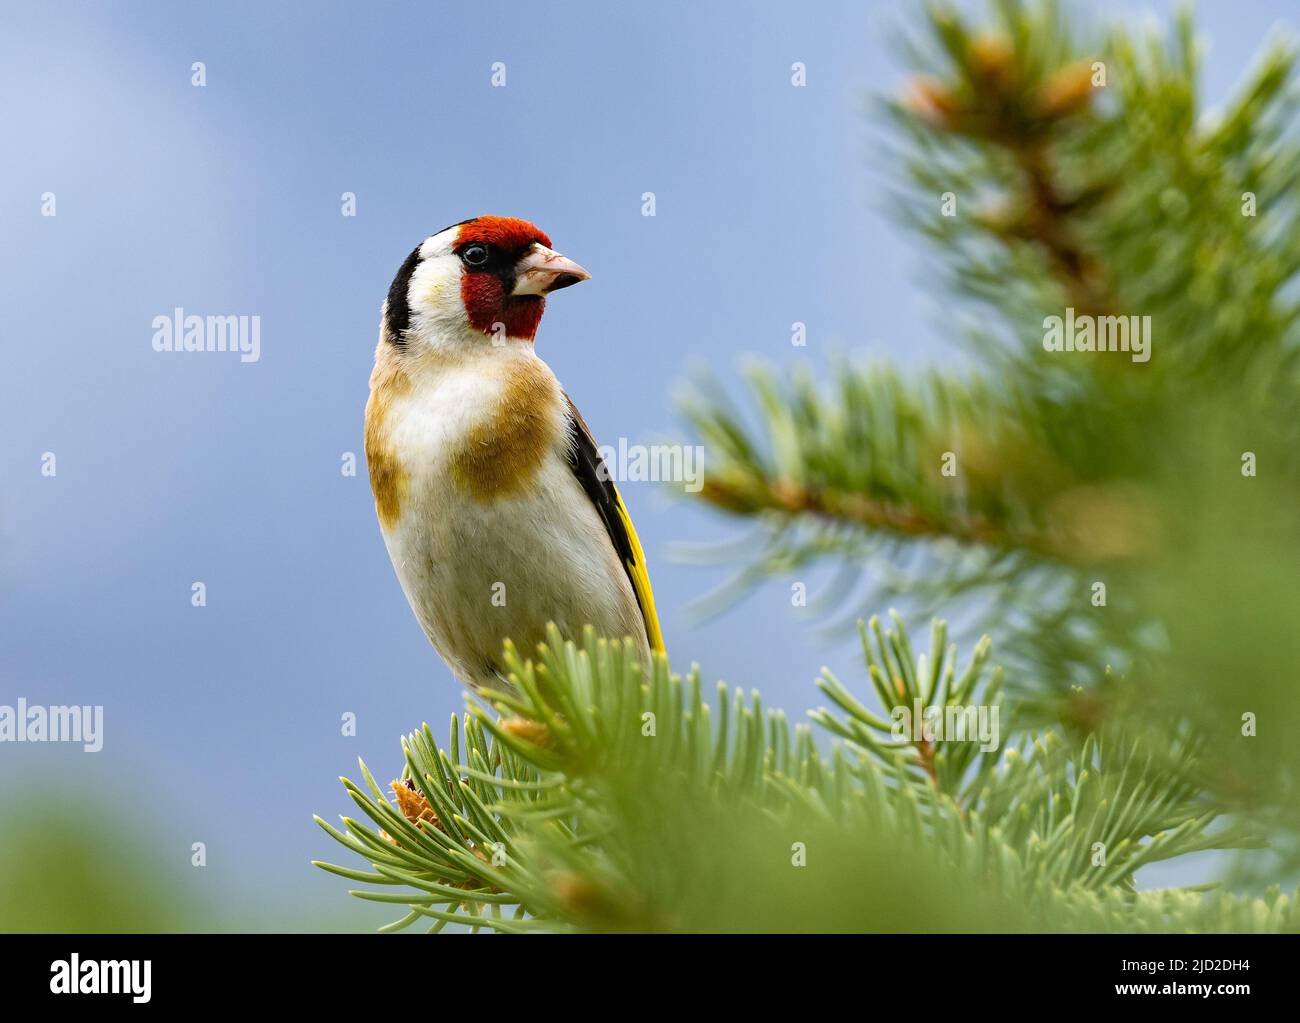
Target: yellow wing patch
586 463
640 576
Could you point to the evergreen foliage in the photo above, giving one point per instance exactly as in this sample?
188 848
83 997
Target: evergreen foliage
1152 725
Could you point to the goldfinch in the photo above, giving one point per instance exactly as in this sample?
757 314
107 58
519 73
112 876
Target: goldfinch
492 498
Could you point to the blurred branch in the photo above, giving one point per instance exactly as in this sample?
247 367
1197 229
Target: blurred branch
602 801
1105 517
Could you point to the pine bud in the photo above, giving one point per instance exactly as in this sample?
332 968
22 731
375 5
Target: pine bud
1067 92
933 100
992 57
530 731
410 800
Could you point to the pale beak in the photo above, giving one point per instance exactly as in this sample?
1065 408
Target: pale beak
542 270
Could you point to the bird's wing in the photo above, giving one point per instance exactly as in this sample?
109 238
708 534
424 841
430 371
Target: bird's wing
589 468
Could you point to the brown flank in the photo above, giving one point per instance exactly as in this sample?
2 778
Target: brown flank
388 479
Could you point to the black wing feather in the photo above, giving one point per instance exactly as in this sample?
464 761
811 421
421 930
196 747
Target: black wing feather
589 468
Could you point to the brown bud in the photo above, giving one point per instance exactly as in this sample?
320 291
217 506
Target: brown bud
530 731
930 98
789 495
410 800
992 56
1067 91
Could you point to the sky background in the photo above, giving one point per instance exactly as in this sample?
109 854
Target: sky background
222 723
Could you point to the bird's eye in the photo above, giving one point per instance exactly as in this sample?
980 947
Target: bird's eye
475 255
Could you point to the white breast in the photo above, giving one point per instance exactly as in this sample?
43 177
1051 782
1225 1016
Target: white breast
478 571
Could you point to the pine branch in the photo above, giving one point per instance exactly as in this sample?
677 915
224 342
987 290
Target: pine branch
602 801
1072 470
869 453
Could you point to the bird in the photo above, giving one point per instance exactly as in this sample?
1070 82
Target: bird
497 510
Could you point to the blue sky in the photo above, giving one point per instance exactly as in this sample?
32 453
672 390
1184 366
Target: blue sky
223 722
